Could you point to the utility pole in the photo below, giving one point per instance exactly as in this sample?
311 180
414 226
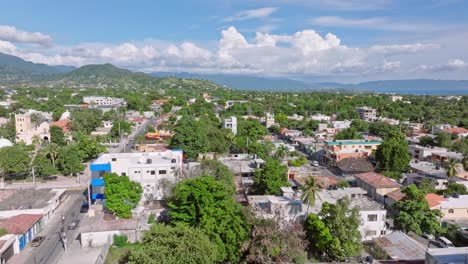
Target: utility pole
34 177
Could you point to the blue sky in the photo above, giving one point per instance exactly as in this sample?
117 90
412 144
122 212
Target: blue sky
352 40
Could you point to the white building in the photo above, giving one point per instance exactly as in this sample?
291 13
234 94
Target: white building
155 171
32 124
104 102
269 120
367 113
340 125
231 124
423 153
396 98
320 117
290 207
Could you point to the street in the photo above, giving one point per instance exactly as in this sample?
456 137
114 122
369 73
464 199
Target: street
126 144
52 248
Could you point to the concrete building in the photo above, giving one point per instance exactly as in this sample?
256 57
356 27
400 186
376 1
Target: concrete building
367 113
269 120
31 125
423 153
454 207
396 98
440 182
376 185
24 227
400 247
7 250
104 103
427 168
340 125
320 117
337 150
455 255
156 105
231 124
153 170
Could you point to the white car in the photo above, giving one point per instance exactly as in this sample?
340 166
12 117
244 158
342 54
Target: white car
315 163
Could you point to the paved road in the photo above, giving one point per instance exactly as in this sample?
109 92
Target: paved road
52 248
126 144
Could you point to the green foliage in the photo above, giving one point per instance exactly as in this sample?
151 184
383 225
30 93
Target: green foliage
14 159
85 120
281 151
248 132
207 204
119 128
427 186
298 162
392 155
414 214
121 194
343 184
451 168
89 147
383 129
360 125
271 178
57 136
349 133
454 187
271 242
181 244
151 218
443 140
220 172
43 166
3 232
375 251
334 234
8 130
426 141
69 159
120 241
262 150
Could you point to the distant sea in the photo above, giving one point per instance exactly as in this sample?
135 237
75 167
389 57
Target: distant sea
442 92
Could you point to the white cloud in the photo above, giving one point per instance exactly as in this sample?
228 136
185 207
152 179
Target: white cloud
345 5
378 23
252 14
9 33
303 53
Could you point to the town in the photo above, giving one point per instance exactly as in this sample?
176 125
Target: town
88 176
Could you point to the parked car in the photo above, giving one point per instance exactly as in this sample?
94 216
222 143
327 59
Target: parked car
315 163
84 208
51 178
444 242
428 236
37 241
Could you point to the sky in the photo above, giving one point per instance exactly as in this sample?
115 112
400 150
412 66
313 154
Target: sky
316 40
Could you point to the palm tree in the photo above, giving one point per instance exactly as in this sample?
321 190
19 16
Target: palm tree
465 161
51 150
36 141
281 152
451 168
310 192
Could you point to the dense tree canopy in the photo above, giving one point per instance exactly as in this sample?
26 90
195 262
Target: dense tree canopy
14 160
69 159
207 204
393 156
271 178
121 194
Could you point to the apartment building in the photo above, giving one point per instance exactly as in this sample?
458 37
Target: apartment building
104 102
153 170
367 113
231 124
337 150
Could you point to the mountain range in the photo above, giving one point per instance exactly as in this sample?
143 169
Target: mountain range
16 70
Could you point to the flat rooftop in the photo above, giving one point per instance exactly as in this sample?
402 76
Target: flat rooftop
25 199
239 166
449 255
366 204
427 167
353 142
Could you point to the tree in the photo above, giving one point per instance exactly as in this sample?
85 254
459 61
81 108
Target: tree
451 168
8 130
69 160
119 128
207 204
349 133
51 150
443 140
57 136
392 155
85 120
360 125
414 214
168 244
426 141
191 137
343 223
427 185
272 242
465 161
219 171
318 235
121 194
271 178
89 147
309 192
454 187
43 167
14 160
281 152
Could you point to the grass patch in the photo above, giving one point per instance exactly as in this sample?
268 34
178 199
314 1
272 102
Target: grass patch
118 255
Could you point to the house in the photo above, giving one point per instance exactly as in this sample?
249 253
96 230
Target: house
367 113
151 169
440 182
104 103
396 98
376 185
156 105
230 103
7 250
295 117
461 132
231 124
320 117
446 255
453 207
63 124
400 247
340 125
24 227
354 165
427 168
423 153
31 125
337 150
269 120
290 133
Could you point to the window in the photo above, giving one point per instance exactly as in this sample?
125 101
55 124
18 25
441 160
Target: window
371 233
123 174
172 168
114 159
162 172
173 160
451 211
153 172
372 218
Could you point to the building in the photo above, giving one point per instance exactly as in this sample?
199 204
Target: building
399 246
24 227
427 168
340 125
5 143
337 150
290 133
396 98
269 120
455 255
423 153
230 103
376 185
231 124
320 117
7 250
367 114
453 207
153 170
32 125
440 182
104 103
156 105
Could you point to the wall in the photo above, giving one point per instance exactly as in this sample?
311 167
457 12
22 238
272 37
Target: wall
97 239
377 226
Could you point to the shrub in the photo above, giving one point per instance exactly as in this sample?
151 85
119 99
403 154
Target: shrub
120 240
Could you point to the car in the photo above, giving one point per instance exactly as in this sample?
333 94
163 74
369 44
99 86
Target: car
84 208
315 163
51 178
72 226
428 236
444 242
37 241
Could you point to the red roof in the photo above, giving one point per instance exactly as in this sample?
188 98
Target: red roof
20 224
434 199
377 180
138 120
326 181
396 195
456 130
63 124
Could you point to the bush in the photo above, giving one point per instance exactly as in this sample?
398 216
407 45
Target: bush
120 241
298 162
3 232
151 218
